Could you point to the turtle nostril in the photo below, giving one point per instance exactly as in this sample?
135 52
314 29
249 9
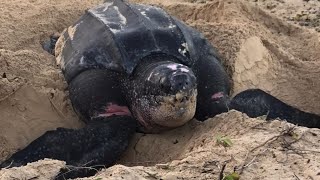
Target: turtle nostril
184 99
181 81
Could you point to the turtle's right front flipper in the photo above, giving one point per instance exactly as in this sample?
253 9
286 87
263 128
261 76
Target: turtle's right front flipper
97 145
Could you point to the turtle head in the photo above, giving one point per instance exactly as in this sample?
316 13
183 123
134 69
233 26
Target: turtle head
165 95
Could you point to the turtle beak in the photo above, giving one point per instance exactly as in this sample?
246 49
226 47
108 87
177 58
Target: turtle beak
176 109
180 97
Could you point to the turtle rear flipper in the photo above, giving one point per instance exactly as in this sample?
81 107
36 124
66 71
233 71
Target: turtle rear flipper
85 150
50 44
255 103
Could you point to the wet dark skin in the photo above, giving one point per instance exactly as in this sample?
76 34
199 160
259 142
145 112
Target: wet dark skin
134 68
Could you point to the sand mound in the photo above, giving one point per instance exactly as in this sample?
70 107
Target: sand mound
260 150
258 50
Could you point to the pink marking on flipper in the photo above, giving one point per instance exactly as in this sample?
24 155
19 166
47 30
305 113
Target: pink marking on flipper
217 96
114 109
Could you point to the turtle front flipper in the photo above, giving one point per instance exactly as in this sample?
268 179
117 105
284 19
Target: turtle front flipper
97 145
255 102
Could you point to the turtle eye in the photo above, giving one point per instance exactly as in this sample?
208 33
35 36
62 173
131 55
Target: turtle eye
161 82
164 85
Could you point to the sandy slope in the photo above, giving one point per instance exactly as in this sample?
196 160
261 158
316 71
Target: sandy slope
258 50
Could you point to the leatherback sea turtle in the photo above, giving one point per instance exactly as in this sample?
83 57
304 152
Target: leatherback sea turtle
134 67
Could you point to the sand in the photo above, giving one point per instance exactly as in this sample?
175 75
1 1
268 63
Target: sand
261 47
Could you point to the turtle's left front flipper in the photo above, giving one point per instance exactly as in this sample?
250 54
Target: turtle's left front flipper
255 102
97 145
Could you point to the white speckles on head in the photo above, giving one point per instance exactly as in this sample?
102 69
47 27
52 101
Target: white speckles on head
178 67
184 69
173 67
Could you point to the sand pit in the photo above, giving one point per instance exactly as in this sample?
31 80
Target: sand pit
258 49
